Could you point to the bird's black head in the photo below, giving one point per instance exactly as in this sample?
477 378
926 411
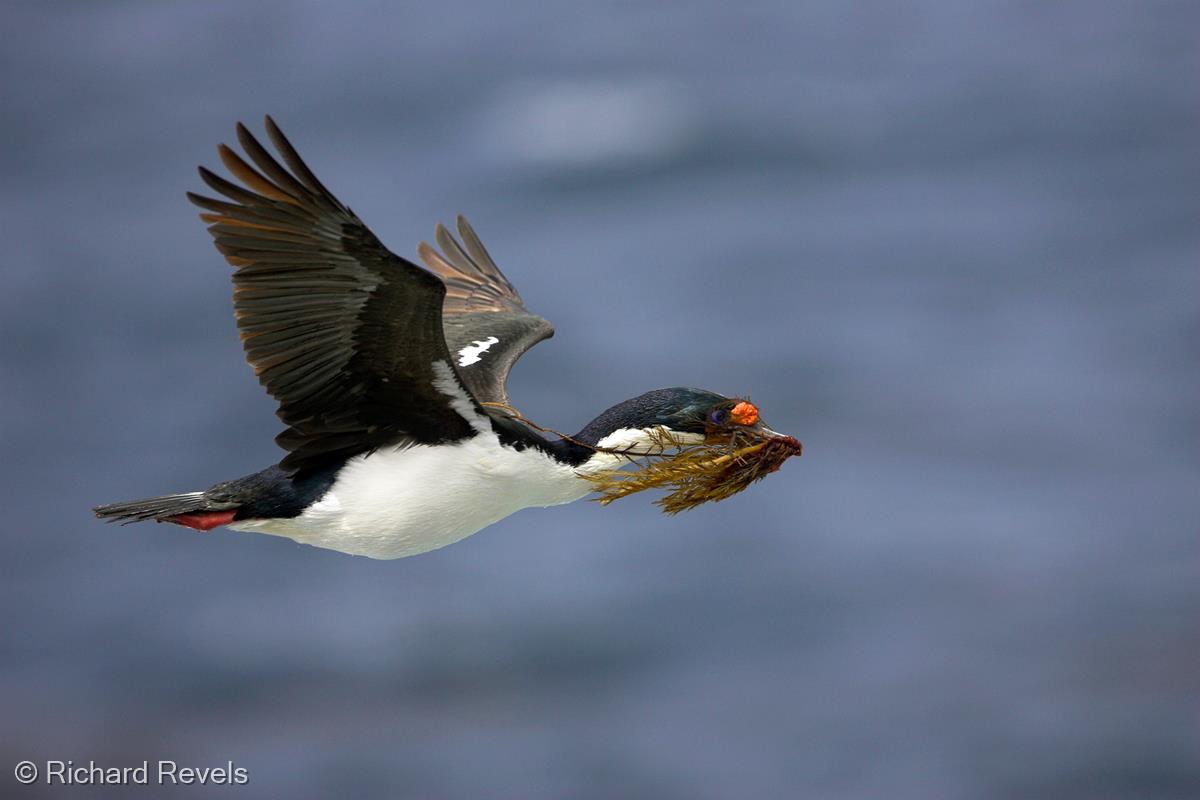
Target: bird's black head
690 414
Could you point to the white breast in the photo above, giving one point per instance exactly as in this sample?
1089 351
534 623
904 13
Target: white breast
403 501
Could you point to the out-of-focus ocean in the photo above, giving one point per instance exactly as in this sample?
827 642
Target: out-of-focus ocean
950 246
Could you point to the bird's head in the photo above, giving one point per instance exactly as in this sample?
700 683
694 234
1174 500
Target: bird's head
685 415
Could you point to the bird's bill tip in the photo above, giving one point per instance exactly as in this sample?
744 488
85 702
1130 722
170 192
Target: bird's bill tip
762 430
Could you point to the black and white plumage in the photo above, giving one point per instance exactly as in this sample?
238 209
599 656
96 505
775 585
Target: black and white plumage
388 377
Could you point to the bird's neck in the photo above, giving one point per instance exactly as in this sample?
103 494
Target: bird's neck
632 426
626 428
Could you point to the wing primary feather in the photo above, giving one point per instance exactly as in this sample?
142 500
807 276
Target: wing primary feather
221 225
454 254
230 190
267 163
427 253
234 163
289 215
479 254
293 160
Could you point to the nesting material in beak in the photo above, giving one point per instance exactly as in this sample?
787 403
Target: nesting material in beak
701 473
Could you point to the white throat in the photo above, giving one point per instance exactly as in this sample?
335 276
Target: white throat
632 442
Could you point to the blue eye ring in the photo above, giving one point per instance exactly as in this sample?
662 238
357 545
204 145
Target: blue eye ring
719 416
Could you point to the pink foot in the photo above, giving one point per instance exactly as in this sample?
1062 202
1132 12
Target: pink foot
203 520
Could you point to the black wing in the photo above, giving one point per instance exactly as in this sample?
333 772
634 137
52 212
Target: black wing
345 334
486 324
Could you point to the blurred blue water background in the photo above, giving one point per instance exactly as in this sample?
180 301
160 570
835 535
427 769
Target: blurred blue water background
952 247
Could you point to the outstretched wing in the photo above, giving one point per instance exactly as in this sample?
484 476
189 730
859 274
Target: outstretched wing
486 323
345 334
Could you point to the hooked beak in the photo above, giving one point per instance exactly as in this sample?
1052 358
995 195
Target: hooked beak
793 445
762 430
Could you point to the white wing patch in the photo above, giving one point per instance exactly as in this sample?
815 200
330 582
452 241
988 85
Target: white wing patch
446 383
471 353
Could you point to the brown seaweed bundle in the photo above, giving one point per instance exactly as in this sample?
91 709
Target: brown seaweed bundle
698 473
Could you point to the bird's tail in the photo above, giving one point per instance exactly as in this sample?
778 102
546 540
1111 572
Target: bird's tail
193 509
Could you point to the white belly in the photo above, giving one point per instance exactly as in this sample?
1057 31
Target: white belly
403 501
